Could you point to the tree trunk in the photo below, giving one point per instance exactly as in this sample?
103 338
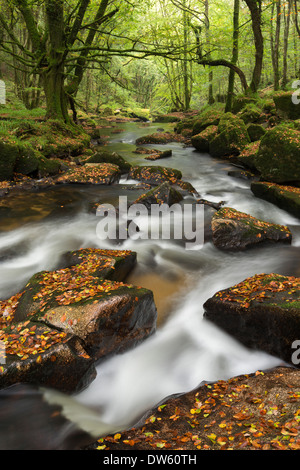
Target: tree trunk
255 10
210 74
235 55
286 43
275 43
54 76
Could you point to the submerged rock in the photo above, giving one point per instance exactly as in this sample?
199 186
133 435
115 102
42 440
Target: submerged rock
234 230
72 317
262 312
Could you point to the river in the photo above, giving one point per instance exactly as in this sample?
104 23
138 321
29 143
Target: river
35 229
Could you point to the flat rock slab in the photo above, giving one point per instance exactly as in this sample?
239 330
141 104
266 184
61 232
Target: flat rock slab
102 173
250 412
235 230
262 312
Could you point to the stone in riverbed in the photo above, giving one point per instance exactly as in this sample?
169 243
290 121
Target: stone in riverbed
102 173
285 197
162 194
262 312
41 355
81 304
154 175
234 230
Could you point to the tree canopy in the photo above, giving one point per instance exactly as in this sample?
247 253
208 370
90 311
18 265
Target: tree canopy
168 54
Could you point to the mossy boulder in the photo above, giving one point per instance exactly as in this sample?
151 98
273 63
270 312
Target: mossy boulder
286 108
250 113
155 175
285 197
202 141
232 137
93 173
110 157
262 312
162 194
255 132
27 161
235 230
209 117
278 157
241 101
8 156
248 155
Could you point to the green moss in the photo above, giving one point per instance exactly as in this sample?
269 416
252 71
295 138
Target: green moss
278 157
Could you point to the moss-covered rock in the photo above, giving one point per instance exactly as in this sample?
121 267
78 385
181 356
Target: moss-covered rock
155 174
209 117
27 161
202 141
285 106
285 197
262 312
232 137
49 167
255 132
110 157
94 173
250 113
162 194
235 230
8 157
278 157
247 156
241 101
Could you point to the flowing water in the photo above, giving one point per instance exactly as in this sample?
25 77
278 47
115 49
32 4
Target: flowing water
36 229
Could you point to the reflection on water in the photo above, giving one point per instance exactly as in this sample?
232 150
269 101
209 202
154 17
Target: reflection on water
37 228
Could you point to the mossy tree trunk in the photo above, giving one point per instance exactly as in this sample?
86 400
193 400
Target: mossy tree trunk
235 55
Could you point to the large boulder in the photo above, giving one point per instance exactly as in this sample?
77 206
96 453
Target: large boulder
162 194
232 137
209 117
110 157
8 157
73 317
235 230
202 141
248 155
285 197
261 312
286 108
278 157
